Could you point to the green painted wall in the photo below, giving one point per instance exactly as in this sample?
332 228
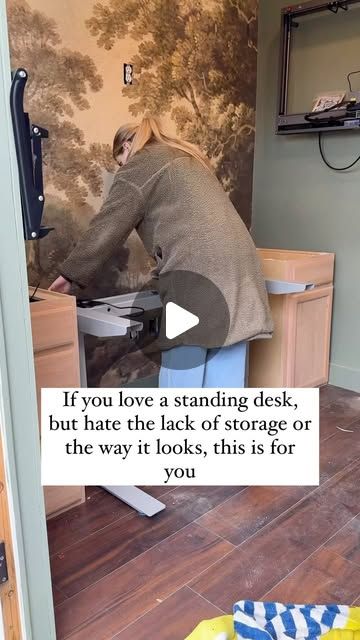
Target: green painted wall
299 203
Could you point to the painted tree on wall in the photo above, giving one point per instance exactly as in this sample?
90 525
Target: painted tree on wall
59 80
198 61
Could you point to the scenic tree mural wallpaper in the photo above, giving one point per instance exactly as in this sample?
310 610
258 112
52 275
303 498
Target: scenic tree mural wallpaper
194 66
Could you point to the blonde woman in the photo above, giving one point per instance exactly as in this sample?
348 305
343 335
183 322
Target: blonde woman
166 189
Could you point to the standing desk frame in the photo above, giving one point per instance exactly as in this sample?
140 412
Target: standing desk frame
106 320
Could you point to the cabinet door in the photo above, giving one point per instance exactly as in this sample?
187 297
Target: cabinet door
268 357
309 329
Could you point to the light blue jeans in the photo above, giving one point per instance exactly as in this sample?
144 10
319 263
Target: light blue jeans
190 367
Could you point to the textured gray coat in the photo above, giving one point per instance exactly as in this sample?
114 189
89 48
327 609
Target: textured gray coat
186 222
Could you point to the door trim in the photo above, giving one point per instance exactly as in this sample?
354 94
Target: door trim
18 411
10 622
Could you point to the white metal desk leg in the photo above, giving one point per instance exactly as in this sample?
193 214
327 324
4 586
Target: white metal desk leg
138 499
134 497
82 358
246 373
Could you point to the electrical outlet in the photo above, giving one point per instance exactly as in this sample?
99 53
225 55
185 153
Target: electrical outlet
128 73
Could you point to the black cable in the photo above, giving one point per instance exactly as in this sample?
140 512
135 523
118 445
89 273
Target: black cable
313 115
352 73
328 164
32 297
115 306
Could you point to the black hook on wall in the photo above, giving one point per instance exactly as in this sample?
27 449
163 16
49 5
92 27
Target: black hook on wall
28 147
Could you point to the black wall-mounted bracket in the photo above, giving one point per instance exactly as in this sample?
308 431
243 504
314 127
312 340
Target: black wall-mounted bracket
28 144
3 565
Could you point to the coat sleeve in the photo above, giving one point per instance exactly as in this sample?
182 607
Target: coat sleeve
121 212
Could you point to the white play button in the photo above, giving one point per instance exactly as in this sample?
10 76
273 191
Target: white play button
178 320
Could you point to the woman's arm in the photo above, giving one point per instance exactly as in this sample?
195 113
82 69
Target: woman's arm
121 212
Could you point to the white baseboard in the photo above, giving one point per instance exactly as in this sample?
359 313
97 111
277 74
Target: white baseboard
344 377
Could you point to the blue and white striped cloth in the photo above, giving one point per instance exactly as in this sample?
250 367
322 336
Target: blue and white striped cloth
275 621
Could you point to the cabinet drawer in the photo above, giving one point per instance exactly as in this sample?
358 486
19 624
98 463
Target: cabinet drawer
297 266
52 329
56 368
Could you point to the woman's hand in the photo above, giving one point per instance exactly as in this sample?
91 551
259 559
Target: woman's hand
60 285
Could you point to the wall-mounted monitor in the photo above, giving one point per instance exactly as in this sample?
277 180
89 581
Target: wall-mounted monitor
319 70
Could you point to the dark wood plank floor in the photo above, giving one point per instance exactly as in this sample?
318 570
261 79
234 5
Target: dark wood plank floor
119 576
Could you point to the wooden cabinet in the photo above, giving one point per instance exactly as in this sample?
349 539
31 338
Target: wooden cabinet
56 358
298 353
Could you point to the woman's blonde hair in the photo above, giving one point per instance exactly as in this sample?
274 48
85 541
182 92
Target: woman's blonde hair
150 130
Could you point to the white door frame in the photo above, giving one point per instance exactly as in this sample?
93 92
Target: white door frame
18 411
